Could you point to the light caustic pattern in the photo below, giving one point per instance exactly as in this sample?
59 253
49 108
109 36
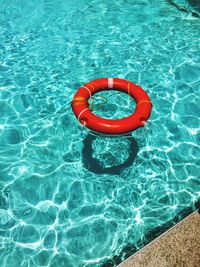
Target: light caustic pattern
68 198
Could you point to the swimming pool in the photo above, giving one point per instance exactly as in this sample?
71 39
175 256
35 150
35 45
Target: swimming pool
72 198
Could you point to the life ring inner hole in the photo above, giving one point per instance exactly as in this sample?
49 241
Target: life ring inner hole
112 104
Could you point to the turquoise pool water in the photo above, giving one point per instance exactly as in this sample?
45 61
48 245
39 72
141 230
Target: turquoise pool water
68 197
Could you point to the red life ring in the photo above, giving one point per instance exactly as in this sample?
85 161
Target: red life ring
83 113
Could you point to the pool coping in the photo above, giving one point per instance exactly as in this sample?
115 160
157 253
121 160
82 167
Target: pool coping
150 244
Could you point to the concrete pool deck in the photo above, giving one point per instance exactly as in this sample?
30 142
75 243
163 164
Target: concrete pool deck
178 247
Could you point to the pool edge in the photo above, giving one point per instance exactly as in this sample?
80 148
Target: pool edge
127 262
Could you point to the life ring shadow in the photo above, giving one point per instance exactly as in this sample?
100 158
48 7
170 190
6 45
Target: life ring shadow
94 165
